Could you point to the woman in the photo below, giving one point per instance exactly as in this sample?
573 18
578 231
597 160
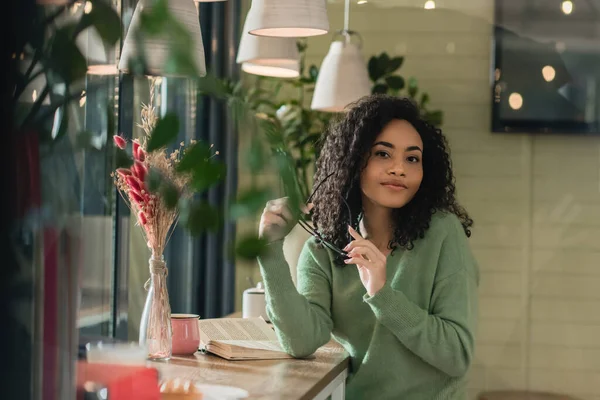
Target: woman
390 274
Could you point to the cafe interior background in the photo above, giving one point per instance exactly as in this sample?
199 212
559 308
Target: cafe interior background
517 87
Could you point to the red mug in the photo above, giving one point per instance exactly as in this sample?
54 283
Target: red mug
186 335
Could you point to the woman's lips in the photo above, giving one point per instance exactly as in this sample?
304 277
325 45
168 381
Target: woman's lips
394 186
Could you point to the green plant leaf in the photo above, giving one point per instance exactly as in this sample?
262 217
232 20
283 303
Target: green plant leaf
301 163
302 81
205 171
311 140
249 203
169 195
209 85
256 156
153 20
137 65
424 100
153 180
250 247
122 159
166 131
313 72
265 102
395 82
181 63
105 20
36 34
301 46
287 173
394 64
238 89
373 67
380 88
65 58
207 175
201 217
413 87
194 155
384 60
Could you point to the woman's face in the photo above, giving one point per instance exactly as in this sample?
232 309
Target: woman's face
394 168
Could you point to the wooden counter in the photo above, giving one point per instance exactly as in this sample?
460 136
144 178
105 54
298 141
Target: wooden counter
318 377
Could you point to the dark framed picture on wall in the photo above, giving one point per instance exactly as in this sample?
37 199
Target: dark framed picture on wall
546 67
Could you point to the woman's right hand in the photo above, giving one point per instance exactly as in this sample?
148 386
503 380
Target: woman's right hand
277 220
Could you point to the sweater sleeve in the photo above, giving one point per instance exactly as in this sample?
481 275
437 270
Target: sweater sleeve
444 335
302 316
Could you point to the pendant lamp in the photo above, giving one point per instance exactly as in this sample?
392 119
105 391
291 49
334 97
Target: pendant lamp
157 47
268 56
288 18
343 77
273 69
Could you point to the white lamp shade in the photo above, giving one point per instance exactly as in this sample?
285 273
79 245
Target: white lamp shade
269 56
288 18
157 47
343 78
284 69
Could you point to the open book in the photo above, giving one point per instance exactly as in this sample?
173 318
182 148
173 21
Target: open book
240 339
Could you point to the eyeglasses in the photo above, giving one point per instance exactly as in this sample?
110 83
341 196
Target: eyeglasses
308 228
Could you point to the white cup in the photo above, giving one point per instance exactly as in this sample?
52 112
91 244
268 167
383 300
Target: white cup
254 304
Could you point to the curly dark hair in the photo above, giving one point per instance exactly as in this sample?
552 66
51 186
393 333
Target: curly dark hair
344 154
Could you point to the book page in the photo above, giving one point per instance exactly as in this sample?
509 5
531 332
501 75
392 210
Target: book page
253 329
268 345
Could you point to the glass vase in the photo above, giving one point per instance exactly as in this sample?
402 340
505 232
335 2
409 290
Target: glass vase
155 325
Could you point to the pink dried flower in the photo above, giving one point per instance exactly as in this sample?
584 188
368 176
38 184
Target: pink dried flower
135 184
140 171
142 218
136 146
154 218
138 152
136 197
120 141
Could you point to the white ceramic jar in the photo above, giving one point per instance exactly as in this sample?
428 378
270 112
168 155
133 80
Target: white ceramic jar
254 304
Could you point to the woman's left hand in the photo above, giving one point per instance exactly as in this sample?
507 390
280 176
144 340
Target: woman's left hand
370 262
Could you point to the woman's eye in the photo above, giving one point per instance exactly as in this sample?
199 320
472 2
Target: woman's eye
413 159
381 154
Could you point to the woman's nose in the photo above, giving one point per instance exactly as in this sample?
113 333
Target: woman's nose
397 169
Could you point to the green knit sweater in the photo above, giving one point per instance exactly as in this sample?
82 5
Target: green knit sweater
413 339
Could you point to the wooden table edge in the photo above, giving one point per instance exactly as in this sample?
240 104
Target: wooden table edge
322 384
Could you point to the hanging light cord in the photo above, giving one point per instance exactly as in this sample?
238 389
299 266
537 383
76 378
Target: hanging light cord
346 32
346 15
